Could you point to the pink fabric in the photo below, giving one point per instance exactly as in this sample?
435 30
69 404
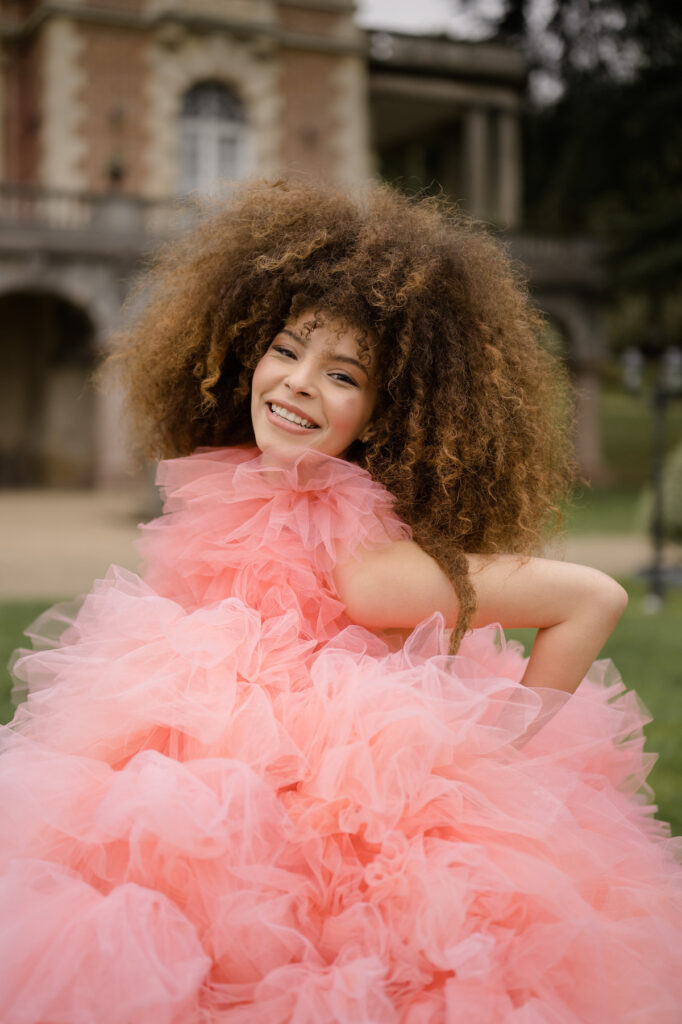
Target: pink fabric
223 802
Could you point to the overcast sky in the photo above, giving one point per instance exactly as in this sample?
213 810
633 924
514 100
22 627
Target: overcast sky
423 16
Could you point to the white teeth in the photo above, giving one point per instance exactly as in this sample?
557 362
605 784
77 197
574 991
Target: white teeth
291 416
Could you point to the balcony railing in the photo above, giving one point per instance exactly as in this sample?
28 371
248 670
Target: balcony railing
117 220
36 207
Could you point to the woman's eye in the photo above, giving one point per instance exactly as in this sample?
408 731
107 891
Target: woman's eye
344 378
283 350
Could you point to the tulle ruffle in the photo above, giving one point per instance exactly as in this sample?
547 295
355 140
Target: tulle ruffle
264 528
211 813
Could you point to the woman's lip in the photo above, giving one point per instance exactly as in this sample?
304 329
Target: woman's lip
291 408
279 421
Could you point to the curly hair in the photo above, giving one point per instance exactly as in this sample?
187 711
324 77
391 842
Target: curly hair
470 432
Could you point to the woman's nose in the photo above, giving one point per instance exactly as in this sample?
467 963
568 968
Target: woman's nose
301 378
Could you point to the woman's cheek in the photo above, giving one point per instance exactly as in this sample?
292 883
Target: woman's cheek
349 415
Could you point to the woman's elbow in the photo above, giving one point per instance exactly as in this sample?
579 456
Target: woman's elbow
610 598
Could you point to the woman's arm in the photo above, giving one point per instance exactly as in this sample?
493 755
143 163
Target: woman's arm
574 608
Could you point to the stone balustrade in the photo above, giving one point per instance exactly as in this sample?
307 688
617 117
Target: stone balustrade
131 217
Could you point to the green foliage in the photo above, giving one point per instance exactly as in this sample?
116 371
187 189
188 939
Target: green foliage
626 425
606 157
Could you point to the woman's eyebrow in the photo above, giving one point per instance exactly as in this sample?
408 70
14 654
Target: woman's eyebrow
294 335
331 355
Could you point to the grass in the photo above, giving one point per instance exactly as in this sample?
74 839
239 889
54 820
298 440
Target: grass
15 616
645 648
603 511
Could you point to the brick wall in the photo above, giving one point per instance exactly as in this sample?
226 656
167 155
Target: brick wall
308 22
114 119
93 106
310 94
21 128
122 6
309 124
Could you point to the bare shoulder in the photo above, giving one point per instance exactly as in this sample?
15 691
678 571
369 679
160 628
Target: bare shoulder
400 585
394 586
391 562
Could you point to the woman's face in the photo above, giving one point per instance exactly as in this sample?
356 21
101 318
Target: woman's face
310 389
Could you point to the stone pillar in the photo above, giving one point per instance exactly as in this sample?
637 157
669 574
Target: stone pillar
112 464
508 169
476 160
3 110
588 428
64 92
351 116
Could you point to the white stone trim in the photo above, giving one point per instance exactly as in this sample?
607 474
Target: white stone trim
352 163
3 134
444 90
247 11
64 85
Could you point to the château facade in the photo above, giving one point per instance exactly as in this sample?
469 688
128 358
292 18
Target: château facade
112 110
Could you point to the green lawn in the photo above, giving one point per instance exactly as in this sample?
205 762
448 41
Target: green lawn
15 616
646 649
603 511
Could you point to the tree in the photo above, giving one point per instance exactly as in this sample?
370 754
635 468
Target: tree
603 137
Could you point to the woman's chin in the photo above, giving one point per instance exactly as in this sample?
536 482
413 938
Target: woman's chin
285 444
275 445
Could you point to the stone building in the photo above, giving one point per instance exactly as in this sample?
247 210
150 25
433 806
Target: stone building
112 109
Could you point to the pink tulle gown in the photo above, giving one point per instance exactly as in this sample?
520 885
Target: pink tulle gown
224 802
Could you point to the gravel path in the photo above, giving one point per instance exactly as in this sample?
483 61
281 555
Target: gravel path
55 543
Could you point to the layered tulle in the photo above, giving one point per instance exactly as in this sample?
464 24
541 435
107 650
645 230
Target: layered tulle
223 801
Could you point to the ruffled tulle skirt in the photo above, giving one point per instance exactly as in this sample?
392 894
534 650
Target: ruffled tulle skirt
209 815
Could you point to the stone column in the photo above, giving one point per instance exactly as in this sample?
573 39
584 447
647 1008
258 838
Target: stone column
3 111
65 88
112 465
476 160
587 425
351 131
508 169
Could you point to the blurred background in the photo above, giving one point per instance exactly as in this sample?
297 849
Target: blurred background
556 122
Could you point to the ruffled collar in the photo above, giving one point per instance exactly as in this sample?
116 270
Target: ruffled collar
257 473
301 470
219 499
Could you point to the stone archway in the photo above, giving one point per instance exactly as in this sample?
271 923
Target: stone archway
47 407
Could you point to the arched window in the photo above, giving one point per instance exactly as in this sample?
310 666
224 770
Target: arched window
213 138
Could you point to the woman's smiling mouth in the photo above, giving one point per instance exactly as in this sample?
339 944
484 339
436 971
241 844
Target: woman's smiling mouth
288 418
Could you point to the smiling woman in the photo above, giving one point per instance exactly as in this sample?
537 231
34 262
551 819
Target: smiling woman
311 389
253 785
